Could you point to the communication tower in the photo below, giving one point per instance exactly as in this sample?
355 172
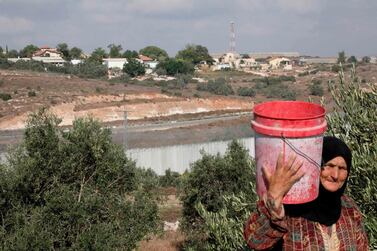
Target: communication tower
232 44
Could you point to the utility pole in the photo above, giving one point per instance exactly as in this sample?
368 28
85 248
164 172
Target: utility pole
125 132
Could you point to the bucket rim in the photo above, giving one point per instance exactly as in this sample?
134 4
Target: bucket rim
259 114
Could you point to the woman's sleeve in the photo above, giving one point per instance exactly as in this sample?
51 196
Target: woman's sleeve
265 228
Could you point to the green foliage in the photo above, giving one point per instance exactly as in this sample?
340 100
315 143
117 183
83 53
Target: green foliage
354 120
130 54
194 54
134 68
4 63
210 178
28 51
316 88
341 57
154 52
72 190
335 68
279 91
124 78
224 229
97 55
30 65
352 60
170 179
89 69
75 53
218 86
5 96
246 91
365 59
12 54
173 67
63 49
115 50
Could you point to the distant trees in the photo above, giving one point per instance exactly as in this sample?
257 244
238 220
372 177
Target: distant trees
154 52
27 51
133 68
365 59
12 54
341 57
75 53
195 54
115 50
173 67
97 55
63 49
352 60
130 54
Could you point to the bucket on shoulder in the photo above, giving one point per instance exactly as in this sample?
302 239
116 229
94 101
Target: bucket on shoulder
290 127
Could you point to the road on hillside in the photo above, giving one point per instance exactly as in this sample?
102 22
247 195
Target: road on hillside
11 137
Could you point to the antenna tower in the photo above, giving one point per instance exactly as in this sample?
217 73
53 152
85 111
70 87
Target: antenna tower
232 44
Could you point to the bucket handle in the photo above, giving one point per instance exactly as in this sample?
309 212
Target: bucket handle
298 152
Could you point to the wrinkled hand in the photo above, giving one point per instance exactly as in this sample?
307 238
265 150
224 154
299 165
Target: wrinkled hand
285 176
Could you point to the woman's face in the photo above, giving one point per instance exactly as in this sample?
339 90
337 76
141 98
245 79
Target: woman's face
333 174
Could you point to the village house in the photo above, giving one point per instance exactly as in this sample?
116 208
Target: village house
112 63
276 63
49 56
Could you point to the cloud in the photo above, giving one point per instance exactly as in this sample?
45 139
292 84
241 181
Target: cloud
15 25
159 6
299 6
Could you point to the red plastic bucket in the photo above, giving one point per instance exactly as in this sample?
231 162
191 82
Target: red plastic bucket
290 127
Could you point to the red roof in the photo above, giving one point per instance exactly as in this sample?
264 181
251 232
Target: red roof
44 49
145 58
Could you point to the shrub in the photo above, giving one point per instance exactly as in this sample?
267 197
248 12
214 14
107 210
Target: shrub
90 69
5 64
5 96
354 120
316 89
246 91
124 78
335 68
31 94
72 190
218 86
170 179
173 67
279 91
210 177
302 74
134 68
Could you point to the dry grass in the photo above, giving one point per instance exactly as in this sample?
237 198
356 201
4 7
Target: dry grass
169 241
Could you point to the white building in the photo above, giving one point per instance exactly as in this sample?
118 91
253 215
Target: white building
48 55
114 62
284 63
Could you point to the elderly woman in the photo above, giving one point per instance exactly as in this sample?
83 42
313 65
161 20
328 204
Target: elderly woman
330 222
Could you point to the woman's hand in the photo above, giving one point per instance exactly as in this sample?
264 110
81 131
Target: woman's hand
285 176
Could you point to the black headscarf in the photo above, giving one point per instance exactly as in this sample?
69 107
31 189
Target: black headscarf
326 208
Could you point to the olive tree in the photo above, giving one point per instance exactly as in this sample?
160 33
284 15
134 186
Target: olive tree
72 190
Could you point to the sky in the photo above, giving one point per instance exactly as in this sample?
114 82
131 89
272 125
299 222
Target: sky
310 27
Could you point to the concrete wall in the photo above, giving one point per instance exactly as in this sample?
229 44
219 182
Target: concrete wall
179 157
